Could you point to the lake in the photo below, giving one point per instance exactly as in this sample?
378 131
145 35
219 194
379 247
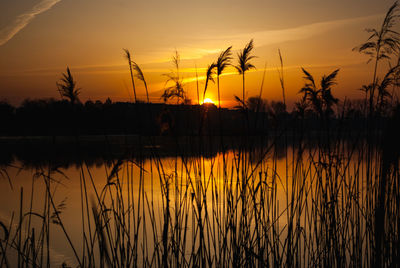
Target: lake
192 201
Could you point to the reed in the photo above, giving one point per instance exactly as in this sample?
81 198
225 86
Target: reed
128 57
322 198
310 208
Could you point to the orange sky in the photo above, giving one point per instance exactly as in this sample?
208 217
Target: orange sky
38 39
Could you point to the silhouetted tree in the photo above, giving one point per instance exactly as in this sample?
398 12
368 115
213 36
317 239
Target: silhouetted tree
244 63
7 116
67 87
108 102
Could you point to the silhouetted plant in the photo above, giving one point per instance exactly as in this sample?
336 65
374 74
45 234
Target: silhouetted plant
382 87
277 108
241 104
326 91
256 104
300 107
197 86
381 44
366 89
67 87
310 92
223 61
321 99
244 63
140 76
209 77
176 90
281 78
129 58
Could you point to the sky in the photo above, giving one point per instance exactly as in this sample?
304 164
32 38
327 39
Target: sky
40 38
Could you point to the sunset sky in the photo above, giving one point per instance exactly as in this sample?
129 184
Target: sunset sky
39 38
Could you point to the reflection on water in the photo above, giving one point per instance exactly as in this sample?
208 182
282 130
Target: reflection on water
176 204
104 150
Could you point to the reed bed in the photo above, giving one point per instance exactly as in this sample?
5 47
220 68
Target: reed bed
329 197
295 201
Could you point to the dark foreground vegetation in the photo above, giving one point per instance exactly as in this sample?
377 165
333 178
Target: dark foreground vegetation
316 187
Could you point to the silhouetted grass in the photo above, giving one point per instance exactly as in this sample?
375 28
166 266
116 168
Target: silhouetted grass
290 197
315 208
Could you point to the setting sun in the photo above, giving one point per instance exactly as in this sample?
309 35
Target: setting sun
208 101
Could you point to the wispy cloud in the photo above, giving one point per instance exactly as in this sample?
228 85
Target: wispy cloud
206 45
8 32
297 33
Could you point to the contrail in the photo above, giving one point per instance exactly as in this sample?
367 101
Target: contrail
8 32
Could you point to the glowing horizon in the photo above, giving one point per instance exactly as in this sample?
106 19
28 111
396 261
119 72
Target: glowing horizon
38 41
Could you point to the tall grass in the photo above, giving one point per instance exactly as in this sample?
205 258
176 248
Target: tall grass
313 207
244 64
128 57
381 44
303 199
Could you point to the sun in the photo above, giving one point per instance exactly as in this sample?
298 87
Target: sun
208 101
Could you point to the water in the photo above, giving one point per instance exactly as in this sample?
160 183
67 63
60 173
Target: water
216 204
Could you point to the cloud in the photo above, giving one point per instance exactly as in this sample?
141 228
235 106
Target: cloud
206 45
298 33
7 33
